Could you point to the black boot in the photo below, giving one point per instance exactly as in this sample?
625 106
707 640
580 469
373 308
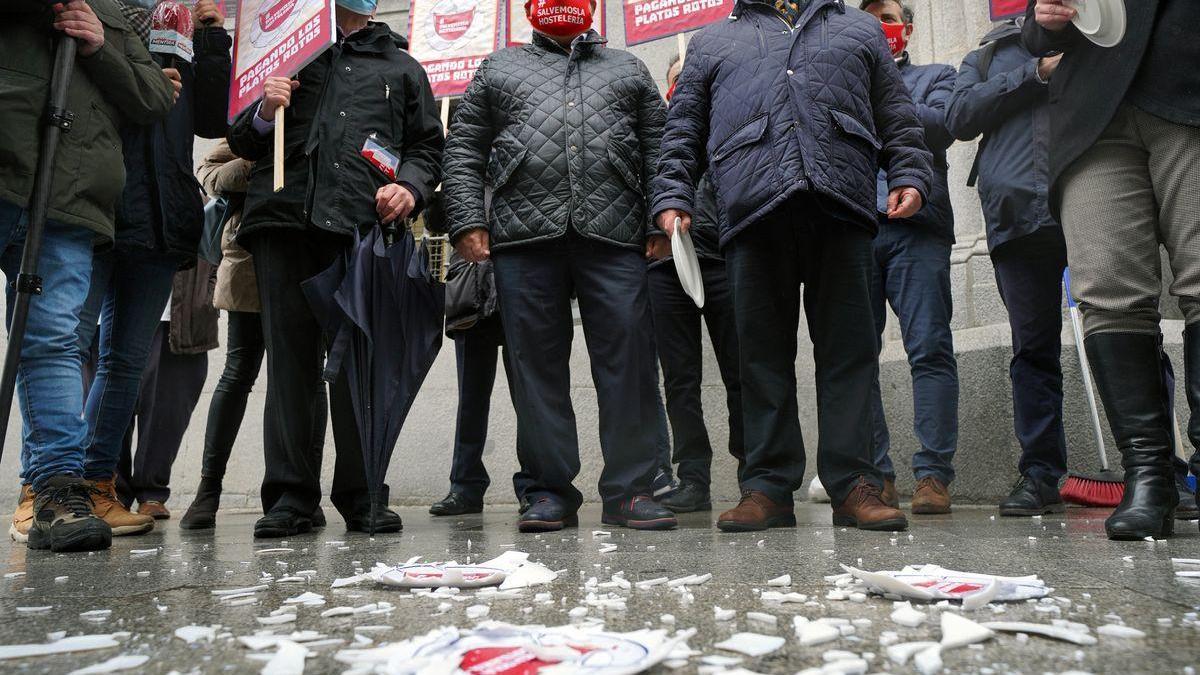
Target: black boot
1128 375
202 514
1191 385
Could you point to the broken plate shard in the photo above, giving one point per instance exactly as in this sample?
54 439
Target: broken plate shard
785 580
1043 629
929 661
288 659
899 654
78 643
113 665
959 631
905 615
932 582
1119 631
751 644
190 634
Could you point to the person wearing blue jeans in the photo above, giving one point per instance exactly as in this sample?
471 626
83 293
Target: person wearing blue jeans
912 274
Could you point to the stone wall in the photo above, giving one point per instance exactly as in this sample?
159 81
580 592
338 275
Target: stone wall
946 31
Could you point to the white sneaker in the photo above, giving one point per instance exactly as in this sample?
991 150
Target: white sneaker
817 493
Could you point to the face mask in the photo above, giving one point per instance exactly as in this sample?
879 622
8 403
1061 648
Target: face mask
364 7
671 90
560 18
897 37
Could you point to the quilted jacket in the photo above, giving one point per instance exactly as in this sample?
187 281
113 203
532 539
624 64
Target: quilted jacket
773 111
563 139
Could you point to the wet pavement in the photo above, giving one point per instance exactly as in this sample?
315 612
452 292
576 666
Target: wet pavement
153 593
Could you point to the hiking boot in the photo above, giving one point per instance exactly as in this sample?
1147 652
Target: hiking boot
640 513
22 518
153 508
756 511
1032 497
282 522
63 519
546 514
691 496
930 497
864 508
456 504
377 520
202 513
889 494
106 505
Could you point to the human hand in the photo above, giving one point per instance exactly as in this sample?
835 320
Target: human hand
475 245
666 221
1053 15
394 202
277 93
208 13
658 247
903 202
176 81
1047 65
77 20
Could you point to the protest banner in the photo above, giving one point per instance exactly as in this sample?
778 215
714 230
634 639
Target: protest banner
275 37
647 20
451 38
1006 9
518 31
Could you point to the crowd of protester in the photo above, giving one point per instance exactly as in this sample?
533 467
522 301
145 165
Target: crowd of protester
799 144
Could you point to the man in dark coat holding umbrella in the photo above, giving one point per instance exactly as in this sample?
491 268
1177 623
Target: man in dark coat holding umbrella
331 193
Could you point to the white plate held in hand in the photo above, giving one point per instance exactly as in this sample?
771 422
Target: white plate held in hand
1101 21
687 265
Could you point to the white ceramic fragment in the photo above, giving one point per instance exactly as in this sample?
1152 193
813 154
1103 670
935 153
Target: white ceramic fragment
1119 631
288 659
751 644
785 580
237 591
478 611
929 661
529 574
190 634
811 633
959 631
1045 630
981 598
900 653
35 610
273 551
77 643
905 615
306 598
762 617
113 665
723 614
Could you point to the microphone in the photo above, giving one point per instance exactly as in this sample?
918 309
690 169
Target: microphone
171 32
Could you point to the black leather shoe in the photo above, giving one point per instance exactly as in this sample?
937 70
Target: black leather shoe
318 518
691 496
386 521
456 504
283 522
640 513
1032 497
1128 373
546 515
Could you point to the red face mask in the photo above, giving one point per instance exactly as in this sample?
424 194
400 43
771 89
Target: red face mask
671 90
897 37
560 18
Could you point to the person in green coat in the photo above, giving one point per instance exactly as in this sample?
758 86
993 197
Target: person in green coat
113 82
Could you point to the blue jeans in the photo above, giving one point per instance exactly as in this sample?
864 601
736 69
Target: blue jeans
128 294
912 274
49 386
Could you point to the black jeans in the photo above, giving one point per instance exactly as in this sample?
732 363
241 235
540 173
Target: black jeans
295 361
768 263
1029 273
244 351
170 389
535 283
680 351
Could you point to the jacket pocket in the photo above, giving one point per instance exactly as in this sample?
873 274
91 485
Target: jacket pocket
850 126
748 133
505 157
625 168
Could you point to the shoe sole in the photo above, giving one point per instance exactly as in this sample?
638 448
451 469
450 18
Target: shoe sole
16 535
185 524
769 523
1165 529
279 532
1018 513
130 530
547 525
379 529
890 525
77 542
689 508
930 510
1187 515
655 524
441 514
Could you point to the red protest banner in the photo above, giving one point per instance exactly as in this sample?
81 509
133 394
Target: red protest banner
451 38
647 20
1006 9
518 31
275 37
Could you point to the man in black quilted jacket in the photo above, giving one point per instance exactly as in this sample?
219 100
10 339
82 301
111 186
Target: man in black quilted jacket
566 133
791 107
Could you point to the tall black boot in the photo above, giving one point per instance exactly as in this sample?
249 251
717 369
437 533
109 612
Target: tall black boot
1191 385
202 514
1128 375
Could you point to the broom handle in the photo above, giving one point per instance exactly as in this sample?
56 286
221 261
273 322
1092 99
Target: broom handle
1077 327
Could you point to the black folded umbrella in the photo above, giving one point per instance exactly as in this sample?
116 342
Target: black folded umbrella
382 314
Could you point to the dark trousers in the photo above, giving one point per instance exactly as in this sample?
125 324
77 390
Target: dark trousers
244 351
475 355
535 283
912 274
170 390
768 263
678 340
1029 275
295 360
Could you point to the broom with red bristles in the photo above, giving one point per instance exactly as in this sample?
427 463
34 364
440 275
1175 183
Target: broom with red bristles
1090 489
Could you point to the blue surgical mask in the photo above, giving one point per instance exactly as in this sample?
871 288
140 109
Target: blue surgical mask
364 7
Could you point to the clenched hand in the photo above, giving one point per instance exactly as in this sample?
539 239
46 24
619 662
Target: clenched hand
394 202
903 202
176 81
277 93
1053 15
77 20
666 221
475 245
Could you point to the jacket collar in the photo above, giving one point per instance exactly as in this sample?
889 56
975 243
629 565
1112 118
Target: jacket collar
374 38
1003 30
585 42
810 10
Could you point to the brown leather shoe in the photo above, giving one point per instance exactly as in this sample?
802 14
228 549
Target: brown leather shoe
23 517
756 512
930 497
155 509
864 509
889 494
108 508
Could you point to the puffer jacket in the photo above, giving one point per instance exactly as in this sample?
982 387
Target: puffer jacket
564 139
224 174
773 111
931 86
364 86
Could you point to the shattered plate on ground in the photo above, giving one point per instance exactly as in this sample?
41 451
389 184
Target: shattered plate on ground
933 582
494 572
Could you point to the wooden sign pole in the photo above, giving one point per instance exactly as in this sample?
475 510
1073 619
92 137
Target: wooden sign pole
279 148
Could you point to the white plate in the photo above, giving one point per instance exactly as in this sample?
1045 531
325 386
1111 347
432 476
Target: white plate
687 265
1101 21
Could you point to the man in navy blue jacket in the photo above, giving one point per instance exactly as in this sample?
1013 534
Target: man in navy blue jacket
791 107
912 274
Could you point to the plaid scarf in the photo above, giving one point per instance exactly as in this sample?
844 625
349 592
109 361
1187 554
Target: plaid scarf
790 9
138 18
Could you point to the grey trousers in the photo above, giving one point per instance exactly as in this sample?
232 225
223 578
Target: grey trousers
1137 187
